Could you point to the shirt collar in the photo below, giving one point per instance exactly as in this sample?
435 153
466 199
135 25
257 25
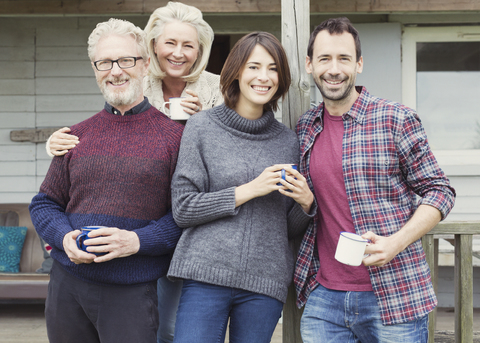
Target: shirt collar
141 107
358 110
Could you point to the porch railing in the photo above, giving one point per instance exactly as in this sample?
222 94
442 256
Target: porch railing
463 282
463 274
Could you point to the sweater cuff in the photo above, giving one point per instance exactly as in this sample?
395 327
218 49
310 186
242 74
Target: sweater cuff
159 237
298 219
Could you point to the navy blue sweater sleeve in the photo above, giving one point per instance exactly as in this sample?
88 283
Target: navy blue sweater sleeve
165 236
49 219
47 209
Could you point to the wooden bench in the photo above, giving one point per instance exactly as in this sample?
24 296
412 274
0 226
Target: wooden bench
27 284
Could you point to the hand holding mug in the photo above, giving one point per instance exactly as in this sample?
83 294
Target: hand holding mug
84 235
296 187
350 249
70 247
176 110
192 103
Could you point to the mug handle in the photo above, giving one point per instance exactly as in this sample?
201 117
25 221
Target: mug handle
164 108
80 239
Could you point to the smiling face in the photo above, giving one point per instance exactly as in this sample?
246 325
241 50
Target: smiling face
258 81
334 67
121 88
177 49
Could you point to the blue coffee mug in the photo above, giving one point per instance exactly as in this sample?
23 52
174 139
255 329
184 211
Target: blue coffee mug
81 238
294 166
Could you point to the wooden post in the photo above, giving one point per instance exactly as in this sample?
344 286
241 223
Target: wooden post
430 246
295 34
463 288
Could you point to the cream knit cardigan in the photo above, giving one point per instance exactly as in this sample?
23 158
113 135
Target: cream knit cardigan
207 87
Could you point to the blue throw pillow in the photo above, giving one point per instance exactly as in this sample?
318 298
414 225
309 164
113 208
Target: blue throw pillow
11 244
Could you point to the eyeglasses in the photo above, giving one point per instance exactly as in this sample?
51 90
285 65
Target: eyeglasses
123 63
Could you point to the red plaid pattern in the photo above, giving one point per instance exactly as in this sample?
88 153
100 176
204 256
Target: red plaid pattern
387 163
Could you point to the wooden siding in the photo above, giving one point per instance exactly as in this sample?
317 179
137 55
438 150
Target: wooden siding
445 291
46 81
17 111
78 7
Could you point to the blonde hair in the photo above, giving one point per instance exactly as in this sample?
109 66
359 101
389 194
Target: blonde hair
120 28
176 11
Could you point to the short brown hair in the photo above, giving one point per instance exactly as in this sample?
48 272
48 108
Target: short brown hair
336 26
236 61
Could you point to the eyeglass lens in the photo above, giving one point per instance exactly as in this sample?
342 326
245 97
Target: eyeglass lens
126 62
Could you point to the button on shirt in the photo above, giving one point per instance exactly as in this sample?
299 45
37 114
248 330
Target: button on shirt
386 162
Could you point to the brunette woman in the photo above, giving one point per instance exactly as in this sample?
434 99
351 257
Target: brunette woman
237 211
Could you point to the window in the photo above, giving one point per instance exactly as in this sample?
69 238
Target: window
441 80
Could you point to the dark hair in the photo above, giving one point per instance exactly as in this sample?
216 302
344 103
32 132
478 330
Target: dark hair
236 61
336 26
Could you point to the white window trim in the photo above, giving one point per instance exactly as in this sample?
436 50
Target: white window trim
410 37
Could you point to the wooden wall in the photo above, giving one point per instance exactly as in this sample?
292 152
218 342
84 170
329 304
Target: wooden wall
76 7
45 81
17 110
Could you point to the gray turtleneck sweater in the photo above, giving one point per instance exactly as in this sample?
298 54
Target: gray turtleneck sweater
244 247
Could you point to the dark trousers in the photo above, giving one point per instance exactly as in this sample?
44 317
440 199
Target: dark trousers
79 311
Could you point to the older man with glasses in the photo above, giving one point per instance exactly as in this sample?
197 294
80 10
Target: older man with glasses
118 177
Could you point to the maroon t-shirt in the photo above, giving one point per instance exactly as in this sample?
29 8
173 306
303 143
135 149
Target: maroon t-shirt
333 211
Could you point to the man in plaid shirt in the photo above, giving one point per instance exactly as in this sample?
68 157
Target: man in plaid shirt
367 159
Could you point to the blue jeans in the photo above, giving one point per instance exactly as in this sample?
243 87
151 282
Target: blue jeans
336 316
168 298
204 311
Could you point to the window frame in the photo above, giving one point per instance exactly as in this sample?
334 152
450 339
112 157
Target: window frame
459 162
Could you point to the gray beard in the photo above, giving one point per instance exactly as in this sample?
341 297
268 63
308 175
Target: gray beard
127 97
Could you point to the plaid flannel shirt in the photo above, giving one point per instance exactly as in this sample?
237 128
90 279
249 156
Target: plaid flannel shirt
386 162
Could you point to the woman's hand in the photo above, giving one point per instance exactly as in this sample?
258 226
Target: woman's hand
191 104
264 184
296 187
60 142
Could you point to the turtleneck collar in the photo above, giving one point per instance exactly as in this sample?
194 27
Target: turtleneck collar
262 128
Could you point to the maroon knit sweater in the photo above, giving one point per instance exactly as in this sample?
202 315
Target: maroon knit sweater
118 176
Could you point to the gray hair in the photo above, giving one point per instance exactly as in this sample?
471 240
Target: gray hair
176 11
120 28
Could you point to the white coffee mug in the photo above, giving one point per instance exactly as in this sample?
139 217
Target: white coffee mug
176 111
350 249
